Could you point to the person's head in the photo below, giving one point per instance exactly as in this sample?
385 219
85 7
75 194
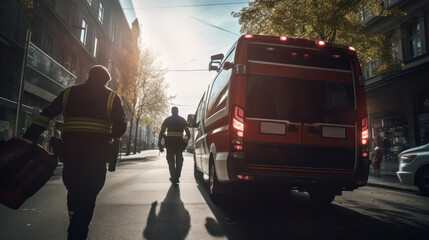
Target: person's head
175 111
98 75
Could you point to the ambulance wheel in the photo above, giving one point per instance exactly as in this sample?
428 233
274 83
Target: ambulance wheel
322 197
214 185
198 175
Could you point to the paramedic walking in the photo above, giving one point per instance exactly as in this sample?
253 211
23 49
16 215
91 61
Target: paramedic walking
174 142
93 115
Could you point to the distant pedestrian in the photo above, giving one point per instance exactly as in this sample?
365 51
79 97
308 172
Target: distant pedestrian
377 156
93 115
174 142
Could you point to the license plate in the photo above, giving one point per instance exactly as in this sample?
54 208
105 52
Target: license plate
273 128
334 132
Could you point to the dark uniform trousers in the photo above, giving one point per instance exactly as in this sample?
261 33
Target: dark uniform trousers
84 174
174 156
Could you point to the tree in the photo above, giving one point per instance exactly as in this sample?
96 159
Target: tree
142 85
153 100
334 21
131 69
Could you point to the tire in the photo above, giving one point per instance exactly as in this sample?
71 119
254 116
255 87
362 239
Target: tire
322 198
214 185
423 181
198 175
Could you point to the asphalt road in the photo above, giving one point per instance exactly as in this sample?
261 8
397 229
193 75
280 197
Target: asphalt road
138 202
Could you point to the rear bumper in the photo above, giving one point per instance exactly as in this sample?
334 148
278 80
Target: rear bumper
295 177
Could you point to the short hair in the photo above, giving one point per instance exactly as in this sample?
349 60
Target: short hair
174 110
99 74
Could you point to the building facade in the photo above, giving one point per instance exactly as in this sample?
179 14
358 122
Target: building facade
398 101
68 37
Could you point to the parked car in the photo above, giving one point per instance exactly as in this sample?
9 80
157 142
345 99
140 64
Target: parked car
414 167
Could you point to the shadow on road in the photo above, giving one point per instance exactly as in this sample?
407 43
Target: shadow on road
173 220
134 159
260 214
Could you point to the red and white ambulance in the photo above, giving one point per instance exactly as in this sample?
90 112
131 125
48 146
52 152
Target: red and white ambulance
284 110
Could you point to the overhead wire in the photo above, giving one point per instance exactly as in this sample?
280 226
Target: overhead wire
186 6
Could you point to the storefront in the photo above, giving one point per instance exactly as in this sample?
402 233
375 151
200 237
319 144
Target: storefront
423 119
398 110
45 79
391 133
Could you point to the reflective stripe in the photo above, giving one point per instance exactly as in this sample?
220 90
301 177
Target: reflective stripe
174 134
83 124
110 104
42 121
65 97
84 119
86 125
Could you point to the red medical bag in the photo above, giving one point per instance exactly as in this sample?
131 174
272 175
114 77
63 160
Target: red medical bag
24 168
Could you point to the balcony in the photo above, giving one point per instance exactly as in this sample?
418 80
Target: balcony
45 73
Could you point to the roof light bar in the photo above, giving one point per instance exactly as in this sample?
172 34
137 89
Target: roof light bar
321 43
248 36
352 49
283 38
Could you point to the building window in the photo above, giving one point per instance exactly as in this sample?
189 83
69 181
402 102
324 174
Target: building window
83 32
392 132
101 13
371 69
423 118
48 45
109 66
89 2
95 47
414 40
390 3
113 31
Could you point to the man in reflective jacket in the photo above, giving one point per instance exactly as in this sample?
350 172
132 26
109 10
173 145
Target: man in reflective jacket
174 142
93 115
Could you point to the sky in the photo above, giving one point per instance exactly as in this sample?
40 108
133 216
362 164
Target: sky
185 38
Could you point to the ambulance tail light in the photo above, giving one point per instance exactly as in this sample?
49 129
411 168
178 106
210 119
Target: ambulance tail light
237 128
365 137
365 133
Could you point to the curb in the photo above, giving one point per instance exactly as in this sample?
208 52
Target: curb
401 188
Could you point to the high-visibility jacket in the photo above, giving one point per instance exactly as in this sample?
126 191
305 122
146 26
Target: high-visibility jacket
88 111
175 125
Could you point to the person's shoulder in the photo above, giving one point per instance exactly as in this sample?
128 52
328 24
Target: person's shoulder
77 86
110 90
167 119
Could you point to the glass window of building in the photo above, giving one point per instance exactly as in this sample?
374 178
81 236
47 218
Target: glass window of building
414 40
83 32
371 69
47 46
392 133
95 46
423 119
424 128
101 12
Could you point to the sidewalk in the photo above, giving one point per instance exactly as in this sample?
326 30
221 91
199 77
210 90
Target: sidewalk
390 181
137 156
